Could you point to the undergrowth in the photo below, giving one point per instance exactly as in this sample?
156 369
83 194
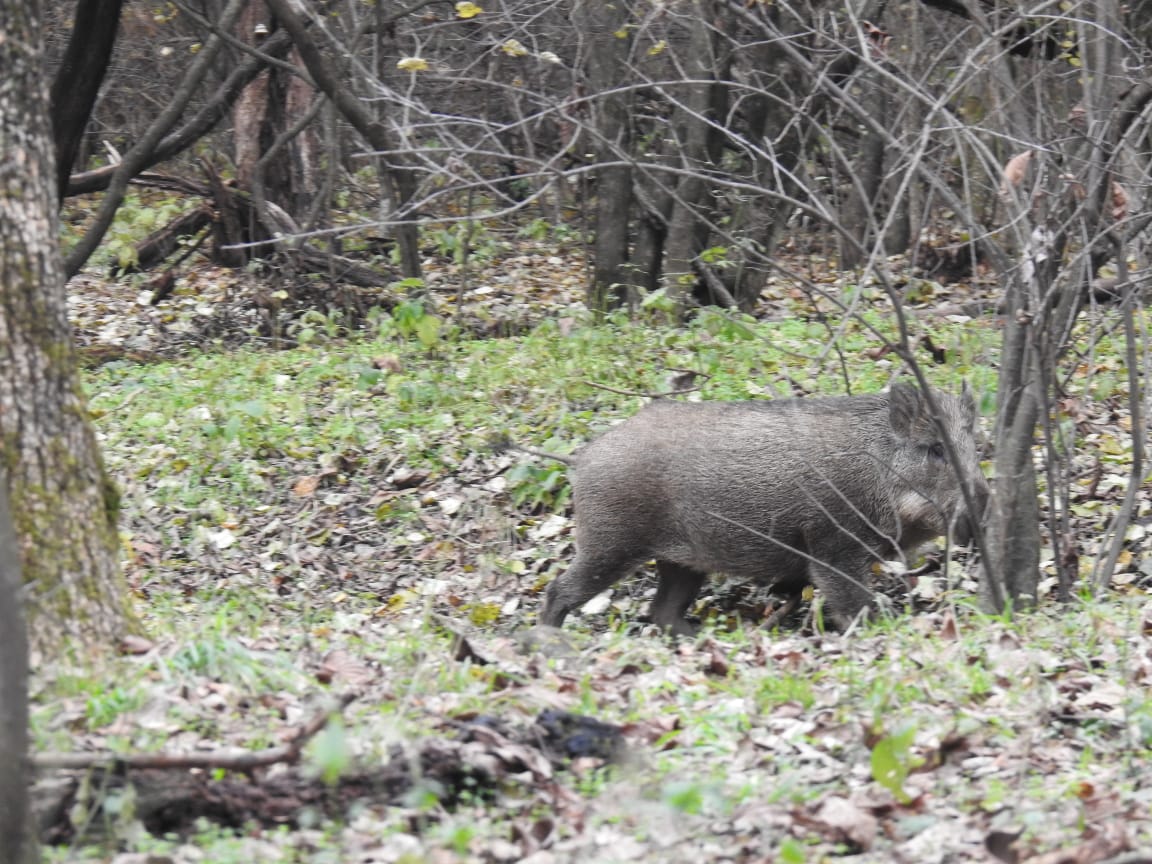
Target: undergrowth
953 716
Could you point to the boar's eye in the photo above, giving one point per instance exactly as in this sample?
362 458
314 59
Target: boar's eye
936 451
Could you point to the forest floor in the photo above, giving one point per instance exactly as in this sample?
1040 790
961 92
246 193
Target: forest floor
324 531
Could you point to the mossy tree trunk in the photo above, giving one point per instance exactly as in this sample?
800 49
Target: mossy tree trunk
17 843
64 506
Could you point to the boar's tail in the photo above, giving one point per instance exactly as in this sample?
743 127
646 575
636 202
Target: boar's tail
503 444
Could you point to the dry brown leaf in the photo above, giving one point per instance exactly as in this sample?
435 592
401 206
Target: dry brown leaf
306 486
136 645
388 363
340 666
1111 840
948 626
717 663
652 729
842 821
407 478
1119 202
1015 170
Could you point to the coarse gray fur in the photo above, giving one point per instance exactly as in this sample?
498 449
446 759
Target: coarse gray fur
787 492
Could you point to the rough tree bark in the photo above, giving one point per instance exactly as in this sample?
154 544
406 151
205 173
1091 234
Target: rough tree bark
396 174
64 505
78 79
263 113
776 148
862 189
16 840
1012 540
604 56
704 105
250 110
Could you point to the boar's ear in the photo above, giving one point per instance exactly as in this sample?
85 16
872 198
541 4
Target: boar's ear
904 408
968 402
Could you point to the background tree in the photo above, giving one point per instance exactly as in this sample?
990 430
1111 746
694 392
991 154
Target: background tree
710 149
603 60
64 505
78 79
16 838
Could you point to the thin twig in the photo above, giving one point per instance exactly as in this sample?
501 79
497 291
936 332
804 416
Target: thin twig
243 761
649 395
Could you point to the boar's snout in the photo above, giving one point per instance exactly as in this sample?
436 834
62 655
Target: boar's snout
964 529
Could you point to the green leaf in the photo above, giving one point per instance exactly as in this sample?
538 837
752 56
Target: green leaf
330 753
893 760
792 852
428 330
685 797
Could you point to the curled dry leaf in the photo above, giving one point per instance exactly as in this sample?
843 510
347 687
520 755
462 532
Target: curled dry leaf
948 626
340 666
306 486
388 363
407 478
842 821
1015 170
136 645
717 663
1104 843
1119 201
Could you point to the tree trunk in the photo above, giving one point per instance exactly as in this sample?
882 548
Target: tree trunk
762 219
16 840
1012 540
211 112
251 106
704 105
64 505
282 164
137 157
858 214
605 68
78 79
395 175
653 199
273 144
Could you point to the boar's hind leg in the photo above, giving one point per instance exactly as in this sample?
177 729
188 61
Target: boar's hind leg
588 575
675 592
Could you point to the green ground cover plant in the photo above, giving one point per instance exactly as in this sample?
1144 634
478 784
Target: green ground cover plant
301 523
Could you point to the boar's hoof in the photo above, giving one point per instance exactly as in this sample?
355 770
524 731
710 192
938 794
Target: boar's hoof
678 627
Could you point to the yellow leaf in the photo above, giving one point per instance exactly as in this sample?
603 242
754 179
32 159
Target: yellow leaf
412 64
622 33
513 48
1110 445
657 48
467 10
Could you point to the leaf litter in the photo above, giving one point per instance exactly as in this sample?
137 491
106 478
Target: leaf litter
296 572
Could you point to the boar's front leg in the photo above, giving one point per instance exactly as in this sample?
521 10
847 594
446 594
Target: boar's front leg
589 574
677 588
845 582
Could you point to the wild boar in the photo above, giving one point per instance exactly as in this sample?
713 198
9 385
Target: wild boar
787 492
